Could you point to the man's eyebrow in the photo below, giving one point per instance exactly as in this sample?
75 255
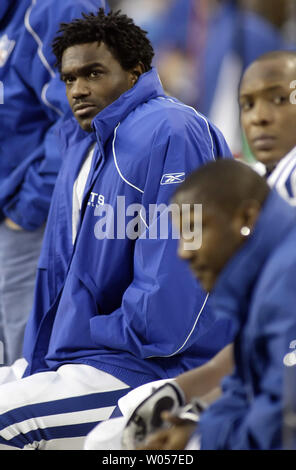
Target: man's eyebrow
267 89
83 69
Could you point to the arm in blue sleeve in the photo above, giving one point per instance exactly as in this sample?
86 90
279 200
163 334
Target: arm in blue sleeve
235 423
29 205
221 148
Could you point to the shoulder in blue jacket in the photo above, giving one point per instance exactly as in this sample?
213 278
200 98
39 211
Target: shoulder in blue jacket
283 177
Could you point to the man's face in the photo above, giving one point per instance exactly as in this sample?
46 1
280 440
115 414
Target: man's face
94 79
220 240
267 115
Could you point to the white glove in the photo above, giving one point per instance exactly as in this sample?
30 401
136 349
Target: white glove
146 418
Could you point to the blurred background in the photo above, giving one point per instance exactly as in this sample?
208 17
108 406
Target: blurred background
202 48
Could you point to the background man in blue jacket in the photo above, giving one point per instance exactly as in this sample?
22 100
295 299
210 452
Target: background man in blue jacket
114 307
34 102
252 282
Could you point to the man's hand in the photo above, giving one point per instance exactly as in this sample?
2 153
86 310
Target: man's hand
11 224
175 437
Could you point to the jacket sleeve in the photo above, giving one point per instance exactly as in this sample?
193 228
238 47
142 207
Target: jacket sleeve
221 148
28 204
255 422
164 309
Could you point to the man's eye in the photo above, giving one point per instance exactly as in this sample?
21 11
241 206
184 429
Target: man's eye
246 106
279 99
68 80
94 74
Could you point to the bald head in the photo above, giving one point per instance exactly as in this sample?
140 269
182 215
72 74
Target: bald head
268 116
223 184
277 55
273 64
231 195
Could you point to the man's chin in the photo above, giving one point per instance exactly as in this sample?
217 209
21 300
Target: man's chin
206 283
86 125
207 287
269 159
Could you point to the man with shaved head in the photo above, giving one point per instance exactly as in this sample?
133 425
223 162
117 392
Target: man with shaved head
248 263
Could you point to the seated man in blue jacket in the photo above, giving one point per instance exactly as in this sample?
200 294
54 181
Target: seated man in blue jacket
114 306
252 282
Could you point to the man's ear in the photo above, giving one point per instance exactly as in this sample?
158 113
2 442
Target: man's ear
136 72
246 216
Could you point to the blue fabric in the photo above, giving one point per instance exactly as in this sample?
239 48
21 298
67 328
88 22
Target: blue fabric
170 27
128 307
35 412
233 30
34 101
5 6
283 178
49 433
256 290
64 405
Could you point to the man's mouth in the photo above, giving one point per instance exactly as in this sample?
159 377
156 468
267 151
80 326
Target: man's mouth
83 109
263 142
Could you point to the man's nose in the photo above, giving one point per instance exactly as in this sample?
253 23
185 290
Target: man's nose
80 88
261 113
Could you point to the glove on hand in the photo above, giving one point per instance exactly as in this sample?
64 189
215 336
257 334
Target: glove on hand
146 418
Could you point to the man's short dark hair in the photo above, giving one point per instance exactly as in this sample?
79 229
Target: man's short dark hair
126 41
223 184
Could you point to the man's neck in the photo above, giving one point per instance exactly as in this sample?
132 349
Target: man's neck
269 169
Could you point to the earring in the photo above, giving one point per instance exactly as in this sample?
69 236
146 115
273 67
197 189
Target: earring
245 231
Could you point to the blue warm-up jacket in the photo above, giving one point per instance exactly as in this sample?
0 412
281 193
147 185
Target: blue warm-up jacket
34 100
256 290
127 306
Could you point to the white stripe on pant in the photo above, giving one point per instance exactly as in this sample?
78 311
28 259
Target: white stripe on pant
55 409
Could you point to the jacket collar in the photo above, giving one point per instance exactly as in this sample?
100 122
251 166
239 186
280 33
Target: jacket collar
147 87
233 289
282 164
